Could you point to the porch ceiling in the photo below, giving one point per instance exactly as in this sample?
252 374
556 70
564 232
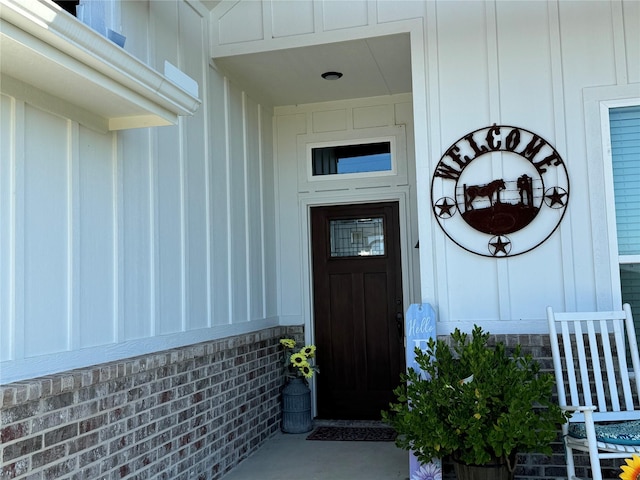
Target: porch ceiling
372 67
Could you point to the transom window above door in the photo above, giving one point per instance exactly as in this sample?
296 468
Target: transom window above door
357 237
345 159
352 160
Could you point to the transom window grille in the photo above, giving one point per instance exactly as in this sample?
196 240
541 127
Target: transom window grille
357 237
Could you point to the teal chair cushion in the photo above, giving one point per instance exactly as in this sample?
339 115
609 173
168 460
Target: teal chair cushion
624 433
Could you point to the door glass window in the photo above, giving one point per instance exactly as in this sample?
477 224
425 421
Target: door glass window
357 237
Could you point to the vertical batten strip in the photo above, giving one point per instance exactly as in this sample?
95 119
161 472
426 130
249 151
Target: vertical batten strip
227 151
372 12
118 238
557 90
247 208
73 236
184 187
495 115
206 118
16 234
619 46
277 221
154 251
267 19
153 282
493 60
245 187
425 82
184 245
318 17
261 194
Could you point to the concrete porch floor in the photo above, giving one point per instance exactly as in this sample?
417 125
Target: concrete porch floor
292 457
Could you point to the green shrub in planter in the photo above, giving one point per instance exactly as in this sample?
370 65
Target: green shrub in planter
474 403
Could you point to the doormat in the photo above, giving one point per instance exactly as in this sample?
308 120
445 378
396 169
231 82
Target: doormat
354 434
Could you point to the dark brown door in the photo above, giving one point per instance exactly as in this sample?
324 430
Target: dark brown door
357 308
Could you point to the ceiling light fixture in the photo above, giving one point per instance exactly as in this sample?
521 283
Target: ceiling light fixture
332 75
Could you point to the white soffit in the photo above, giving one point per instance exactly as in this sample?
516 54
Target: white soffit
56 61
372 67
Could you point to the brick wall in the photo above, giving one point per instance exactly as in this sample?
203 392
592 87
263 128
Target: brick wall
536 466
192 412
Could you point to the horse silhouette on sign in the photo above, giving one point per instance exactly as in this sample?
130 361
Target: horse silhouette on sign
471 192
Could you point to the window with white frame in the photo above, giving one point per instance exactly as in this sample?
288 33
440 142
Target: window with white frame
624 130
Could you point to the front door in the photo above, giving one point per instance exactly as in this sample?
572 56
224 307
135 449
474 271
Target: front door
358 308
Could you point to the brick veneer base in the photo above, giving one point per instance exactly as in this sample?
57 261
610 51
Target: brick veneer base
192 412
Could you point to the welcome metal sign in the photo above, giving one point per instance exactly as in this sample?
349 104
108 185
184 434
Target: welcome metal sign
500 191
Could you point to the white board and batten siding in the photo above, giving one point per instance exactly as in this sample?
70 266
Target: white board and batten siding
524 64
118 244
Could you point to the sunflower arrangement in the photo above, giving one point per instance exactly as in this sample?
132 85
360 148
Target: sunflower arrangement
298 362
631 471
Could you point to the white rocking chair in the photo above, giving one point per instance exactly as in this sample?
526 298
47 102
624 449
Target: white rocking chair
603 387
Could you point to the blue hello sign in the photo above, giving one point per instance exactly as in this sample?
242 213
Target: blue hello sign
420 326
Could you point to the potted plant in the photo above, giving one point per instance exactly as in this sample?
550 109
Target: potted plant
478 405
296 396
